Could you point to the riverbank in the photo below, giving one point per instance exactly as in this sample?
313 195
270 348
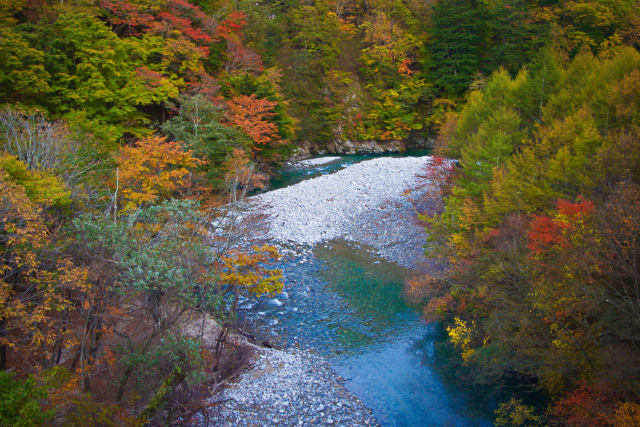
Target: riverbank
289 388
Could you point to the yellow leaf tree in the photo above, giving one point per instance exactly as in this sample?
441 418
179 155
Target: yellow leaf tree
247 273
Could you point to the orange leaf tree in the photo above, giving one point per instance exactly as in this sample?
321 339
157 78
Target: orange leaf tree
153 169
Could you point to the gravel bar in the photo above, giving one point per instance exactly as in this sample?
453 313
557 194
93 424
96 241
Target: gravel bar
289 388
318 161
326 207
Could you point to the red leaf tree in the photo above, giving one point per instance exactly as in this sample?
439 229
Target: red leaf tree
251 115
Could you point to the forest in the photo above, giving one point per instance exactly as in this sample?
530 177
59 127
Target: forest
128 128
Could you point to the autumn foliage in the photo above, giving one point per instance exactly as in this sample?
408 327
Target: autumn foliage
251 115
539 231
533 227
234 22
153 169
547 232
133 18
247 272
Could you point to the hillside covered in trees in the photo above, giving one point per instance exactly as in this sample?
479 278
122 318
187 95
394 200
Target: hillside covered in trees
540 227
127 126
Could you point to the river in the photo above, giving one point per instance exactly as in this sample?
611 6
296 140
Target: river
346 302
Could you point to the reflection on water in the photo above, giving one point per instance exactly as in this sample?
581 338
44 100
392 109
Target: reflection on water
347 304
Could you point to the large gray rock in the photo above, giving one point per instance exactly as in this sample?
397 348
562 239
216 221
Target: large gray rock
366 147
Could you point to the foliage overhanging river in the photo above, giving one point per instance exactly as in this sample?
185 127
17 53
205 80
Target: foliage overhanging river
345 302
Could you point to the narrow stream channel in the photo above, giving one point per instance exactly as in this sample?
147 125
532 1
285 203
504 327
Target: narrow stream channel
346 303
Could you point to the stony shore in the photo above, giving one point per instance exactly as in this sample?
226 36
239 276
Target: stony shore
289 388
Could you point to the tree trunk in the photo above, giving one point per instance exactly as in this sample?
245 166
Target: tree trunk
3 357
165 389
3 348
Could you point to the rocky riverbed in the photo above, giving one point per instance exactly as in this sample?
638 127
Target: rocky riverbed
366 203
